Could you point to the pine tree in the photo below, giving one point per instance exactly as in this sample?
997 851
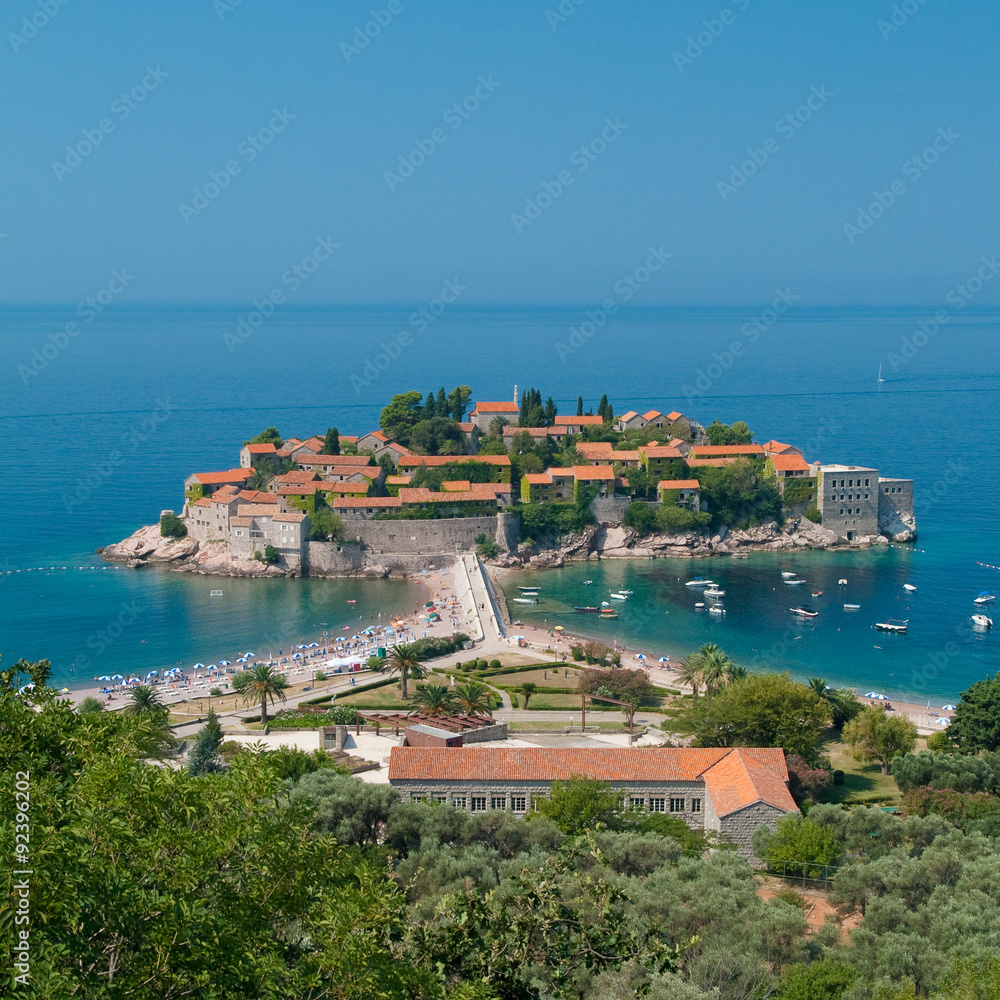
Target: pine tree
579 406
202 758
441 404
550 412
430 407
602 407
331 444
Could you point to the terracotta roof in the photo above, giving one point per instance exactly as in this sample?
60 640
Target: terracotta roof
789 463
538 478
332 460
256 510
240 522
398 480
356 488
456 484
581 421
261 449
298 489
539 432
341 503
449 459
652 415
680 484
217 478
622 456
378 435
598 473
256 496
594 449
361 460
674 415
295 476
628 416
676 442
691 461
477 491
496 408
368 471
717 450
560 471
295 518
349 438
602 763
467 427
202 502
661 451
398 448
315 441
741 779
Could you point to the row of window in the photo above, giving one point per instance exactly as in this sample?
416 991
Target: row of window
849 496
850 482
851 510
658 805
519 803
894 489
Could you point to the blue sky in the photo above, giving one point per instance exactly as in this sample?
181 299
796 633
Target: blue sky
647 139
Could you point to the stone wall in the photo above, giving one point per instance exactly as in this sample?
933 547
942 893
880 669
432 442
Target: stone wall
430 537
896 517
610 510
739 826
498 731
507 530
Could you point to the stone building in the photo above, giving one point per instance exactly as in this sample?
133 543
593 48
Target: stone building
848 499
729 791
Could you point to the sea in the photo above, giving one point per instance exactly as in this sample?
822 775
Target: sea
101 423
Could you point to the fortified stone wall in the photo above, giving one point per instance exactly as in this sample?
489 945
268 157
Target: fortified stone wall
609 510
431 537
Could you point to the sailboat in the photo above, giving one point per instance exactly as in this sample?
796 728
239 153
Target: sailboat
880 379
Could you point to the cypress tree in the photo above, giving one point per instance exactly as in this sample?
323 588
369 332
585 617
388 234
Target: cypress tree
202 758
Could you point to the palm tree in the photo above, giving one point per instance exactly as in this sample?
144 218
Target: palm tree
434 699
690 673
528 688
715 666
402 658
474 698
497 424
841 703
737 673
263 683
144 700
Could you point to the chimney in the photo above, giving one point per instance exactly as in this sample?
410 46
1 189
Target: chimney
515 394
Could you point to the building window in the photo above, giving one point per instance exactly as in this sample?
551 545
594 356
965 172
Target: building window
418 798
841 510
866 496
519 803
458 801
239 534
850 482
635 803
696 805
657 805
677 805
866 482
478 803
440 798
499 802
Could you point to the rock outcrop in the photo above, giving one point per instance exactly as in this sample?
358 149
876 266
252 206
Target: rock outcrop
897 527
148 545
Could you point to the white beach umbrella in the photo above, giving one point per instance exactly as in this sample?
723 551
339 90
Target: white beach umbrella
224 663
948 708
104 678
876 695
663 659
943 722
198 666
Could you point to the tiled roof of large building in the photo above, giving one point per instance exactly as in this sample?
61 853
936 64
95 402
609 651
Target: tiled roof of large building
594 473
449 459
538 432
255 496
652 415
594 449
594 420
735 778
680 484
256 510
477 491
292 516
202 502
295 476
261 449
789 463
691 461
717 450
348 503
674 415
660 451
215 478
496 408
628 416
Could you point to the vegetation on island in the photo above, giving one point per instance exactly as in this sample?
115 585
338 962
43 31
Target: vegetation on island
171 526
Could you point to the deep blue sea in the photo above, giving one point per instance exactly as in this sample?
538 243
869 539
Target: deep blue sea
99 430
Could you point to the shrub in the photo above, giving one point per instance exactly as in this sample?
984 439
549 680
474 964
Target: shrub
171 526
494 664
271 554
838 777
215 692
956 807
806 783
625 685
482 665
577 653
813 514
488 549
320 676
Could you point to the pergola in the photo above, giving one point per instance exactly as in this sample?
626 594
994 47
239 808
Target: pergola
453 723
614 701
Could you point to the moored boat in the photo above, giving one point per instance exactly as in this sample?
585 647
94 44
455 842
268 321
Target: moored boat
985 597
803 611
893 625
982 621
619 597
787 574
909 586
584 608
716 609
793 583
842 582
714 592
699 581
852 607
525 600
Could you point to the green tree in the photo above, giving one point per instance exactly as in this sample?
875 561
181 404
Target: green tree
325 524
403 659
90 704
720 433
876 736
475 698
798 847
268 436
975 725
271 554
528 688
640 517
764 710
402 412
971 978
822 980
331 443
458 401
579 406
713 666
843 705
144 699
353 811
437 435
579 804
434 699
203 757
171 526
263 684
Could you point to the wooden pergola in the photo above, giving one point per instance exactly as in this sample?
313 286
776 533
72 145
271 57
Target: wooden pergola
614 701
452 723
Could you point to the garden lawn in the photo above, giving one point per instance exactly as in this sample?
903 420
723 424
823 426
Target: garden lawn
552 677
863 783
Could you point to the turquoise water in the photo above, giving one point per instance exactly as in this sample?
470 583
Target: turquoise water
101 437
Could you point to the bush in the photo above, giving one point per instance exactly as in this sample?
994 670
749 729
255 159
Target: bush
319 676
640 517
838 777
577 653
813 514
482 665
956 807
271 554
488 549
494 664
799 490
215 692
806 783
171 526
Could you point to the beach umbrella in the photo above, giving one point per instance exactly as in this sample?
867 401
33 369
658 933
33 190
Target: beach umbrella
198 666
297 656
559 628
152 673
212 666
663 659
876 695
943 722
224 663
948 708
118 677
27 687
314 645
104 678
249 654
640 656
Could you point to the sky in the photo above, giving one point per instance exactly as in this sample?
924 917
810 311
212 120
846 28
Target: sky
530 153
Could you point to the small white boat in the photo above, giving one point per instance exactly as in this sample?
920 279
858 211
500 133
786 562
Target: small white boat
587 583
985 597
525 600
788 574
908 586
982 621
852 607
619 597
804 612
215 593
793 583
604 604
627 593
699 581
699 604
528 588
841 582
893 625
714 592
716 609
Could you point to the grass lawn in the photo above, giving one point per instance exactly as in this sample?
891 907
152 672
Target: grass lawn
553 677
383 698
863 783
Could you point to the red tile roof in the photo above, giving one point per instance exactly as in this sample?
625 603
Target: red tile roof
361 460
342 503
496 408
622 456
256 510
202 502
294 517
539 432
255 496
298 489
449 459
594 420
594 449
217 478
315 442
691 461
739 777
717 450
680 484
538 478
261 449
560 472
594 473
625 417
331 460
356 488
674 415
789 463
456 484
398 480
477 491
349 438
295 476
378 435
240 522
467 427
660 451
652 415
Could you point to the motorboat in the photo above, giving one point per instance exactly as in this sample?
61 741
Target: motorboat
793 583
908 586
619 597
587 583
627 593
605 604
529 588
852 607
842 582
699 581
699 604
985 597
817 593
982 621
804 611
714 592
716 609
584 609
525 600
788 574
608 615
893 625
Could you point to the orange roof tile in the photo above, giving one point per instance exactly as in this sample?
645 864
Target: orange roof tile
256 496
674 415
298 489
552 763
477 491
356 488
378 435
261 449
789 463
256 510
660 451
293 516
539 432
741 779
240 522
652 415
594 449
716 450
398 480
496 408
581 421
449 459
295 476
217 478
622 456
628 416
467 427
679 484
594 473
349 438
560 472
691 461
202 502
538 478
341 503
456 484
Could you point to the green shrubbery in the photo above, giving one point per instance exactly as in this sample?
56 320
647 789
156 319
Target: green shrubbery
171 526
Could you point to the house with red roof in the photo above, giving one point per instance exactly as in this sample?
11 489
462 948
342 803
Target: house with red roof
731 791
661 460
682 492
204 484
251 452
499 464
483 414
